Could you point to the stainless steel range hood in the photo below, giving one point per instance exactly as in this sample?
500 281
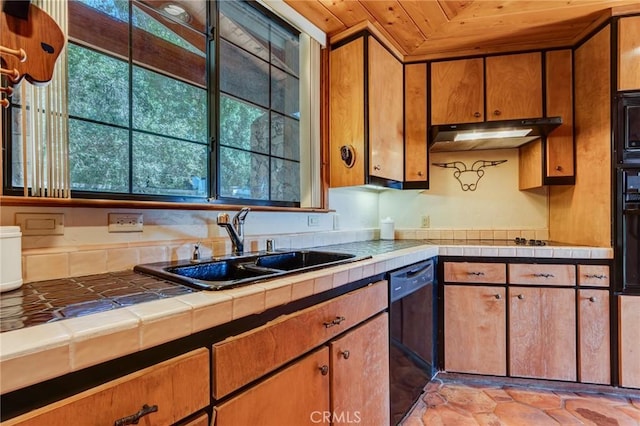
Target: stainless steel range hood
490 134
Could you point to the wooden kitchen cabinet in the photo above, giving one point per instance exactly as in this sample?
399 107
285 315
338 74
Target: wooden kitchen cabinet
629 341
365 138
177 388
457 91
359 365
416 163
594 360
514 86
475 329
301 373
296 395
542 333
628 56
551 161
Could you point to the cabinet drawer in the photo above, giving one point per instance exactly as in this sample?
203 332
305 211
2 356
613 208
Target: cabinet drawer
593 275
241 359
472 272
542 274
177 387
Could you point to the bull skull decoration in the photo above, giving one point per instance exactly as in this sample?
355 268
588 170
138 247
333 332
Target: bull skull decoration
469 177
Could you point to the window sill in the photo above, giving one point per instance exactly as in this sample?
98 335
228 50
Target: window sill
125 204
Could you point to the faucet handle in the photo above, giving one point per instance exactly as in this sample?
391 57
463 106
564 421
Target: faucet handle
223 218
239 217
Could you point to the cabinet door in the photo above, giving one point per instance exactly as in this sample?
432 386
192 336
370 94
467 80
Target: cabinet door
360 374
177 388
542 333
514 86
297 395
559 161
386 115
628 58
346 111
594 337
475 335
457 91
415 107
629 361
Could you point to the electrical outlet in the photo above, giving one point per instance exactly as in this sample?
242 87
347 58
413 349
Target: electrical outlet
313 221
125 222
425 221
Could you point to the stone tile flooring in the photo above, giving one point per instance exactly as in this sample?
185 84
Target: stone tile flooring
461 403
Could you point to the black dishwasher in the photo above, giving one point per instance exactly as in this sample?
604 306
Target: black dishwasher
412 322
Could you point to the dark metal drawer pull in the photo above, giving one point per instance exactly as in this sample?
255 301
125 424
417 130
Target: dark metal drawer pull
544 275
336 321
324 370
477 274
135 418
596 276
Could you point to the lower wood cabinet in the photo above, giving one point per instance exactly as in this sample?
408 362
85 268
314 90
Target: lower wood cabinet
475 332
159 395
542 333
594 337
344 382
629 340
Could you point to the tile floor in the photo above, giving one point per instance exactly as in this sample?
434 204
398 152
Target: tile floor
455 402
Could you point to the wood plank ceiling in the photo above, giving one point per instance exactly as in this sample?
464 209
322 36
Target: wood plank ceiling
429 29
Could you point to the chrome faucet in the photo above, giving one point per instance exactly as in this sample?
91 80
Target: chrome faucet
235 229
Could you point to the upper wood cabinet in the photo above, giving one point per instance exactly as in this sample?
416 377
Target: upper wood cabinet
457 91
511 86
552 161
365 138
628 53
514 86
416 163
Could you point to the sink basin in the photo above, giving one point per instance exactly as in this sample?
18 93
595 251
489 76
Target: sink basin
301 259
234 271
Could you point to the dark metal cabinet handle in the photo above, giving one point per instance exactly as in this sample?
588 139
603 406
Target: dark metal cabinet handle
544 275
521 296
497 296
324 370
420 173
476 114
345 354
377 167
336 321
559 168
596 276
592 299
477 274
497 112
135 418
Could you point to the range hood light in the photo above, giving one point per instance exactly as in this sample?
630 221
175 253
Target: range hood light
495 134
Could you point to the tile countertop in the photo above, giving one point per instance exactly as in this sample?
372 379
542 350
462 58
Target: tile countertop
68 345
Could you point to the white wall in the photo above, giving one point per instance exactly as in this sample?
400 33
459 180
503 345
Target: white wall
495 204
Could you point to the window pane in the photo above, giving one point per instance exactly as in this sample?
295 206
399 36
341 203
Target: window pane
168 167
243 174
169 30
243 75
243 125
285 93
98 86
245 27
285 178
98 157
285 49
285 137
168 107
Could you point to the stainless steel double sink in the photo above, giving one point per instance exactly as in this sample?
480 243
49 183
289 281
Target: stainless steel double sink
233 271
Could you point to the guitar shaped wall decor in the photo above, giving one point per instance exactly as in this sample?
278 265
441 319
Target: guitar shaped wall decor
29 48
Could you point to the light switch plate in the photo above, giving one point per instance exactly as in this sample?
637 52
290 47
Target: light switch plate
40 223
